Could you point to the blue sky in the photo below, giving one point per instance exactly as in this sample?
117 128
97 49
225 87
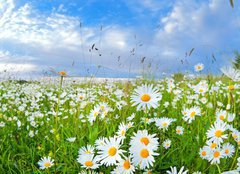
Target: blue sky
39 35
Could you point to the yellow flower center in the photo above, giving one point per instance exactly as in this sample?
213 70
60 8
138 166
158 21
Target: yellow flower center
178 131
234 136
144 153
145 140
112 151
126 164
87 152
192 114
204 153
145 97
216 154
218 133
95 114
89 163
164 124
213 145
62 73
123 133
222 117
231 87
227 151
81 97
200 90
102 107
47 164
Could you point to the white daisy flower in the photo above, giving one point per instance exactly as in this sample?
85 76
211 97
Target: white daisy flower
215 156
190 114
142 155
205 152
216 132
45 163
167 143
89 150
142 137
228 150
110 153
124 167
221 115
179 130
146 96
198 67
231 73
88 161
163 123
174 171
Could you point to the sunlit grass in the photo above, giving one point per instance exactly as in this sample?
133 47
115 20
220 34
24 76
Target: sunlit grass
37 119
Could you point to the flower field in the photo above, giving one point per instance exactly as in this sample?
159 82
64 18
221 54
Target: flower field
138 126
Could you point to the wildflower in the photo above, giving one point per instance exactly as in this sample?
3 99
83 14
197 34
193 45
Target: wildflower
205 152
110 152
163 123
89 150
146 96
62 73
124 167
174 171
142 155
228 150
231 73
142 137
179 130
198 67
167 143
190 114
87 161
216 132
215 156
45 163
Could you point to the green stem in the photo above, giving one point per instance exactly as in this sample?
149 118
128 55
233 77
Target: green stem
219 170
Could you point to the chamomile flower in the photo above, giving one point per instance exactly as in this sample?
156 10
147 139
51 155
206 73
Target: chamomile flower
142 137
167 143
174 171
100 142
228 150
231 73
205 152
163 123
89 150
216 132
45 163
198 67
191 113
124 166
88 161
221 115
122 129
110 152
179 130
215 156
212 144
142 155
146 96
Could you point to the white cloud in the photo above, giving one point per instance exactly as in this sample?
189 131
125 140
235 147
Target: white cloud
56 39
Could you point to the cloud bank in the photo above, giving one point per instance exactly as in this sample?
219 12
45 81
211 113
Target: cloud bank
36 40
